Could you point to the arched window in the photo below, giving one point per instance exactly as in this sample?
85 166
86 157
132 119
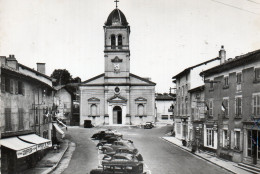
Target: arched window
113 41
120 42
93 110
140 109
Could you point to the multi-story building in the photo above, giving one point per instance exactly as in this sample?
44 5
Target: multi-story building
232 93
197 113
63 101
25 114
186 80
164 104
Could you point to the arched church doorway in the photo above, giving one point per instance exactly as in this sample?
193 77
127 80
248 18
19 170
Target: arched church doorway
117 115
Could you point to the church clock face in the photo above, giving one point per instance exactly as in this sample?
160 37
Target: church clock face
116 67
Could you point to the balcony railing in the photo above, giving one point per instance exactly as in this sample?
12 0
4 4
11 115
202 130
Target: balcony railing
116 47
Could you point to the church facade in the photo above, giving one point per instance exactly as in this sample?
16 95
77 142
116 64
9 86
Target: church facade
117 97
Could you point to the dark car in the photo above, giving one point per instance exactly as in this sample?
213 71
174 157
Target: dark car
88 124
148 125
125 144
106 134
126 151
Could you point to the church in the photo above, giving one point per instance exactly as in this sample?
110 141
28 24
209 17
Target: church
117 97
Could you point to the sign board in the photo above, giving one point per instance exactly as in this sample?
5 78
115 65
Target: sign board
26 152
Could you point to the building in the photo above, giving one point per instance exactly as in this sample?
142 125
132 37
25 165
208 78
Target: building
186 80
63 101
117 96
25 114
164 104
232 92
198 113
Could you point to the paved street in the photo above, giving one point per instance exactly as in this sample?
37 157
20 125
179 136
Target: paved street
160 157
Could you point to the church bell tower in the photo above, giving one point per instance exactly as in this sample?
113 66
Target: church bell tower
116 52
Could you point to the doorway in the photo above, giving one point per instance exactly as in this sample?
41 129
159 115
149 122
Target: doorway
117 115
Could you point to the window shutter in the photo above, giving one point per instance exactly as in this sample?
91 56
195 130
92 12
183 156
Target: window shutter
2 83
221 138
16 87
232 139
23 90
8 119
11 86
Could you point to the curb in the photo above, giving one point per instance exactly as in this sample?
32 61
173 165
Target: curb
54 167
198 156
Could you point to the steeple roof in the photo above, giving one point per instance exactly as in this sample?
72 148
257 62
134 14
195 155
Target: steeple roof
116 18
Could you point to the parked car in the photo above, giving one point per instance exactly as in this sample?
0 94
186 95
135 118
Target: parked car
124 160
88 124
126 144
148 125
126 151
102 134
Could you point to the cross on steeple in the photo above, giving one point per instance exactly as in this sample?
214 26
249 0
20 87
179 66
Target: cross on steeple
116 1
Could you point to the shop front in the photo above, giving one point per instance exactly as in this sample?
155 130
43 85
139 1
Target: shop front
18 154
251 151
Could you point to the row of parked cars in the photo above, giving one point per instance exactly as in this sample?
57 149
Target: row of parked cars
120 155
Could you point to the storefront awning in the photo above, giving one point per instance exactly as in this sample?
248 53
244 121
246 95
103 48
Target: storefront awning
22 148
59 130
41 143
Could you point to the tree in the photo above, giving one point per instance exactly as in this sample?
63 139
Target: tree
62 77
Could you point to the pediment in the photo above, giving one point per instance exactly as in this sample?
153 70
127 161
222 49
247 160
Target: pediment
116 60
117 99
140 99
93 99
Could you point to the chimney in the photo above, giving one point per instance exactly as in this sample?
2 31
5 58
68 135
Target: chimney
222 55
41 67
12 62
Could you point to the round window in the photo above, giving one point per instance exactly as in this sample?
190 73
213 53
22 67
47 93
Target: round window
117 90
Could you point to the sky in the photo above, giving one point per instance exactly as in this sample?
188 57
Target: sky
166 37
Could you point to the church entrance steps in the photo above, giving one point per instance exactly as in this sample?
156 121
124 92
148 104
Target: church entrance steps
249 168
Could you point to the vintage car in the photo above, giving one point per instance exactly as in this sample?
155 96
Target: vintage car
126 151
126 144
106 133
148 125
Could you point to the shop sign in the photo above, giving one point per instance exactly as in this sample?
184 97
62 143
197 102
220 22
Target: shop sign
26 152
44 145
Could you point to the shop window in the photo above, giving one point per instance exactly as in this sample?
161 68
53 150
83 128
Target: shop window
93 110
210 137
120 41
238 106
113 41
8 125
20 118
140 109
256 104
237 140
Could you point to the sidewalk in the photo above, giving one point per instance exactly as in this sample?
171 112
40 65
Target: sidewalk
50 161
228 165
